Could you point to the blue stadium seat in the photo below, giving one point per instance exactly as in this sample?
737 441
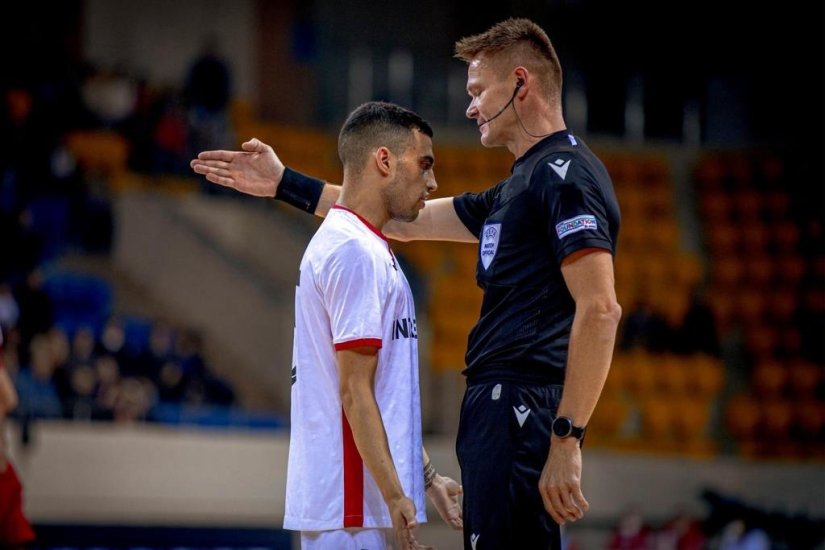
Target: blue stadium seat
79 300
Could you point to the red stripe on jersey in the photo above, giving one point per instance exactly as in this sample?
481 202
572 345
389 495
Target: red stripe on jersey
353 479
374 342
363 220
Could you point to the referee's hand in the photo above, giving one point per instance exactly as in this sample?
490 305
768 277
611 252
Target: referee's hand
444 493
256 170
560 483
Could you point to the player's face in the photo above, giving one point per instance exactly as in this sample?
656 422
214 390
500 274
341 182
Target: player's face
414 179
488 95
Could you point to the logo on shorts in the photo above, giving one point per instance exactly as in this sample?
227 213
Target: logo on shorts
489 243
522 412
474 540
496 392
574 225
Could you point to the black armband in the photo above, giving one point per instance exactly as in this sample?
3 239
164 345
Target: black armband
302 192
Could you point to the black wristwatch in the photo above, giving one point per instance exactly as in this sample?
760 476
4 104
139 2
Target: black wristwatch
563 427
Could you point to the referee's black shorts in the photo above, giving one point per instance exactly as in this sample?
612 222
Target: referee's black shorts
502 445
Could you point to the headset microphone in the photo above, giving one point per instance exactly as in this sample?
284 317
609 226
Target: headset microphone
519 84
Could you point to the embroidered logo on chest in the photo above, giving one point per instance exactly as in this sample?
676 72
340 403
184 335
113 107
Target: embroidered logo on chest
489 243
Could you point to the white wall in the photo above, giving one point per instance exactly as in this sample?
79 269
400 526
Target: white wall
159 39
146 474
151 475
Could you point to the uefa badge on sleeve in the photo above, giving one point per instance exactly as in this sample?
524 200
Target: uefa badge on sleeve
489 243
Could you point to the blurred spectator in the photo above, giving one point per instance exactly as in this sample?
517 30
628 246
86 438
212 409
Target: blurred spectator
811 322
83 347
59 346
36 310
737 535
15 530
133 400
202 386
644 328
38 394
108 379
207 93
22 246
631 533
170 154
113 343
26 143
683 532
698 333
10 352
81 403
9 311
159 351
110 95
171 382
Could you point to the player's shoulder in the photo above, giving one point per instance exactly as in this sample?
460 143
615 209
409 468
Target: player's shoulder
333 241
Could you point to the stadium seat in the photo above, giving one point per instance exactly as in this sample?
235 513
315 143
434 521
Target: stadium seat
790 268
79 300
759 270
748 205
672 375
657 418
707 376
742 417
804 378
715 206
608 419
782 304
99 152
777 204
722 239
691 419
777 419
785 236
754 237
710 172
809 420
751 304
768 378
727 272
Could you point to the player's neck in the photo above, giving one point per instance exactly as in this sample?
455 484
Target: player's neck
366 203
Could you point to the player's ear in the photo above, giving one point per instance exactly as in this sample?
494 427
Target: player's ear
382 157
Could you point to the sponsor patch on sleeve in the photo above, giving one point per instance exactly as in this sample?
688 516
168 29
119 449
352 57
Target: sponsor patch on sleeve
574 225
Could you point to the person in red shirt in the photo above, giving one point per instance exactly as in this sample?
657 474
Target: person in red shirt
15 529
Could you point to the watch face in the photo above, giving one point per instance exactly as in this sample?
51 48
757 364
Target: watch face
562 426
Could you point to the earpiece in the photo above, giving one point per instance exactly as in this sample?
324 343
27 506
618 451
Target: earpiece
519 83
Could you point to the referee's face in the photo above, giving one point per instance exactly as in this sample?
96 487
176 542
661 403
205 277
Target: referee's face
414 179
489 105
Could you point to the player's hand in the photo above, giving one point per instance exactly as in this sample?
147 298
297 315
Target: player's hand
444 493
256 170
402 511
560 483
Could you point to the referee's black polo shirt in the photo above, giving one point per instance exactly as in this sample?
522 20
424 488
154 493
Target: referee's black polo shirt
559 199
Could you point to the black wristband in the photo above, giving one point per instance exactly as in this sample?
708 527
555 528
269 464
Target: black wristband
429 475
302 192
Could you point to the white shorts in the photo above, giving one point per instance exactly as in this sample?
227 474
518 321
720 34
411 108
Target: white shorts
348 539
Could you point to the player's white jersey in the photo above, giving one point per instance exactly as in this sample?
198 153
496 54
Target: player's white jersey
351 292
